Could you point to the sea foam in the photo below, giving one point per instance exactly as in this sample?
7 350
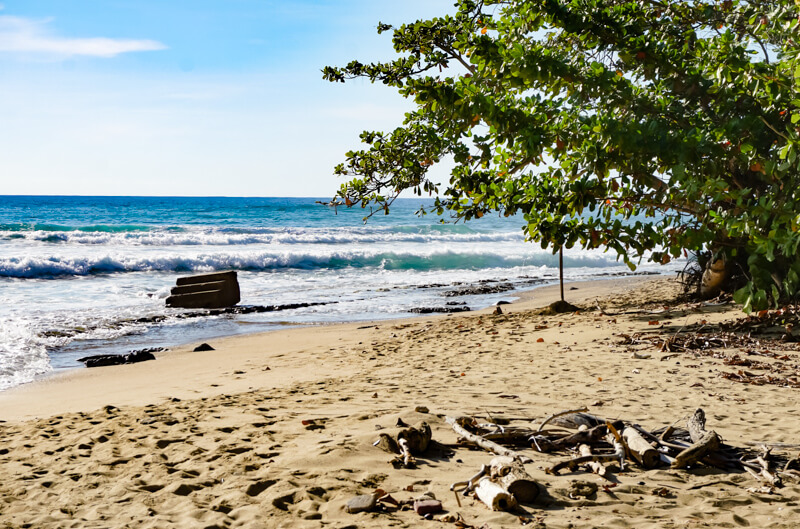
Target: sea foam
193 236
53 266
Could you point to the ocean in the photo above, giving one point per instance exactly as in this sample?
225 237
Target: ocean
89 275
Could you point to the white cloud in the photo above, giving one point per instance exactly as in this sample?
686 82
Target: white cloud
24 35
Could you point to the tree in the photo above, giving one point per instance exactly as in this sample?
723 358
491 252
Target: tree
645 127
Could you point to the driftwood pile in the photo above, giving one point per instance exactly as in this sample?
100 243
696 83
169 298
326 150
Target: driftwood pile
602 447
599 446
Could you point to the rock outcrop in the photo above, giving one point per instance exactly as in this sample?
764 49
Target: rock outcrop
205 291
133 357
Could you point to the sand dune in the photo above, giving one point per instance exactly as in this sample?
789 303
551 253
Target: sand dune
277 430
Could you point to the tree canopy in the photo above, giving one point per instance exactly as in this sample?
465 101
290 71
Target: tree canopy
590 116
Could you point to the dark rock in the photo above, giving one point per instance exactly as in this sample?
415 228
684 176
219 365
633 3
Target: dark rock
133 357
438 310
503 303
431 285
205 278
203 347
266 308
535 281
210 299
205 291
558 307
247 309
482 289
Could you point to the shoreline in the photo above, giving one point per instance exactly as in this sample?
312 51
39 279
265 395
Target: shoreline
132 384
279 429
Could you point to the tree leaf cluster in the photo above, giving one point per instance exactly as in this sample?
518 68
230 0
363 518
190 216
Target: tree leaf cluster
647 128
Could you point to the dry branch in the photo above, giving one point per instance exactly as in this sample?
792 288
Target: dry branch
561 414
590 436
595 466
572 464
484 443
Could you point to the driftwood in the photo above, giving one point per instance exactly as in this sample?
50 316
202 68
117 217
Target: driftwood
500 485
560 414
572 464
494 495
417 438
510 474
491 446
590 436
619 448
469 485
595 466
506 434
575 419
671 446
704 442
771 478
640 450
410 441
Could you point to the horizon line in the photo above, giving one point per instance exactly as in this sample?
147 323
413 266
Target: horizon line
181 196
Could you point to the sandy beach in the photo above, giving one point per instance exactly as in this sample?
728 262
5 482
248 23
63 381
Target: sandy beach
277 429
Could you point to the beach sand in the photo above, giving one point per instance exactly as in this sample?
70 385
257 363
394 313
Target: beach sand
277 429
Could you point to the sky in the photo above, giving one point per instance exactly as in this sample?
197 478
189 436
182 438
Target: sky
189 98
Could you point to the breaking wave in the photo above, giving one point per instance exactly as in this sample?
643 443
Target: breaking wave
60 266
182 236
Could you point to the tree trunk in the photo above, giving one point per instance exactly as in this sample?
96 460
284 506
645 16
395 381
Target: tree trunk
714 278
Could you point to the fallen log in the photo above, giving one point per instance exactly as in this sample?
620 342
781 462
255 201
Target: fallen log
491 446
511 476
639 449
494 496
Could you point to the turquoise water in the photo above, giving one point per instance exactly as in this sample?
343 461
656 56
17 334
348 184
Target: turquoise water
76 273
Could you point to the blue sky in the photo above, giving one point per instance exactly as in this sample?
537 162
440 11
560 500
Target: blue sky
162 97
